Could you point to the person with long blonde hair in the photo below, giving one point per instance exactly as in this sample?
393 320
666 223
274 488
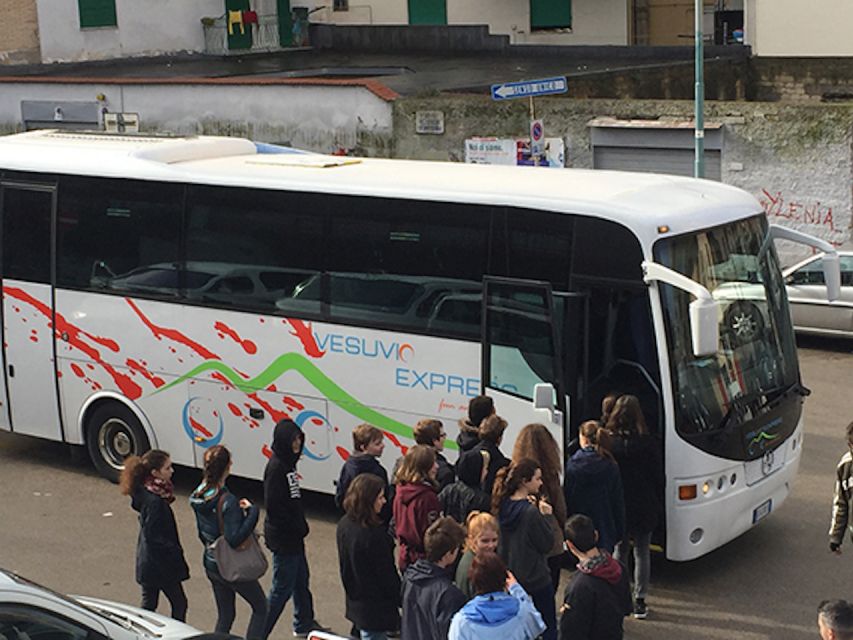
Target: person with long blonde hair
416 504
160 563
535 441
483 535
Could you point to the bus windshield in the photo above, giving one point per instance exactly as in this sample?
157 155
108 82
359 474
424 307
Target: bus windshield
756 362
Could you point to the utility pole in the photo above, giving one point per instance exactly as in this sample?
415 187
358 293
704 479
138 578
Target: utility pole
699 95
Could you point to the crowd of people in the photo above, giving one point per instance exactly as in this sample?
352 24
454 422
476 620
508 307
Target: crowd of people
437 550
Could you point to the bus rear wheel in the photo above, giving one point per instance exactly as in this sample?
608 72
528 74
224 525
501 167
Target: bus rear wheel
113 433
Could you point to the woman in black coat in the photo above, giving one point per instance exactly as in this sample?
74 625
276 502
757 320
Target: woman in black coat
160 564
366 557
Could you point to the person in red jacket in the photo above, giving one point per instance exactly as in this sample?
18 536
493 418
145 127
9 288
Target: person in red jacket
416 504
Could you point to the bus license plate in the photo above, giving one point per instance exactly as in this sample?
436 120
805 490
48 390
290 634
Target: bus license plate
761 511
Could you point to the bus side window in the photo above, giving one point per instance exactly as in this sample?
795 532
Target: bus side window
118 235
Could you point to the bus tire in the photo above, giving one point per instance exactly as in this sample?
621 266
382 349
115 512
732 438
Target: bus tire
113 432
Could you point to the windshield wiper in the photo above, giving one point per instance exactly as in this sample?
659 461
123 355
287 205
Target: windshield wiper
740 404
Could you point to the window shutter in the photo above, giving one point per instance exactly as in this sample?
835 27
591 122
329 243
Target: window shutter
97 13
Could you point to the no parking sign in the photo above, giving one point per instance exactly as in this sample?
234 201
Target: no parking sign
537 137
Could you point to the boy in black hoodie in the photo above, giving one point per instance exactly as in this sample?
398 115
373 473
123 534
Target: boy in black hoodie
285 528
598 598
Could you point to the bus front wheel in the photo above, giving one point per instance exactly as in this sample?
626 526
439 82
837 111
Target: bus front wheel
113 434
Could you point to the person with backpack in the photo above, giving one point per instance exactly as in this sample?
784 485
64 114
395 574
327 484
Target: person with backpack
160 563
491 433
467 494
219 513
479 408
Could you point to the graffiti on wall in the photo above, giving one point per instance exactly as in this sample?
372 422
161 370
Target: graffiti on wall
818 216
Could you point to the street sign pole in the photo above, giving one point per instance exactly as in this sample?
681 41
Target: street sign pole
699 96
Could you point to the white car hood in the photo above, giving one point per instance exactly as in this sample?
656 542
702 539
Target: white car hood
142 622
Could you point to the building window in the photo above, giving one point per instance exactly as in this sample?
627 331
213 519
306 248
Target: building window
340 5
97 13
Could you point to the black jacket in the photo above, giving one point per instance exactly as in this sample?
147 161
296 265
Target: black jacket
465 495
356 464
285 526
468 435
159 556
238 524
526 539
429 601
641 468
594 488
497 461
595 606
370 579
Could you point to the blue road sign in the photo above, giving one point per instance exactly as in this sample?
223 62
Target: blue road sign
529 88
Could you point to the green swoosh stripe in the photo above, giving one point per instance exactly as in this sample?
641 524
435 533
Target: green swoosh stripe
325 385
763 436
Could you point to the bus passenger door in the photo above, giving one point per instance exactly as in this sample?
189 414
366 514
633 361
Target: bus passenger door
30 388
520 350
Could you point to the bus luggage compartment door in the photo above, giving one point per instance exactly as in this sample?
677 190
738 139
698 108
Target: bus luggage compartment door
520 349
30 400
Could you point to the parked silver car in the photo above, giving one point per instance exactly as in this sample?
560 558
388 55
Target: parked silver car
811 312
31 612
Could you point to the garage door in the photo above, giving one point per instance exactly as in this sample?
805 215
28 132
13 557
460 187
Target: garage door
653 146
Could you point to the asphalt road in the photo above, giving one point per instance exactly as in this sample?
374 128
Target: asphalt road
65 527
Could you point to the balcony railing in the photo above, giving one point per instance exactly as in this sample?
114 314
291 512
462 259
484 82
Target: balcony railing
265 36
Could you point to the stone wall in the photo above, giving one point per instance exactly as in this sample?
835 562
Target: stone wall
19 32
797 160
801 79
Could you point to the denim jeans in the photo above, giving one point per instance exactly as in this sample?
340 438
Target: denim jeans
373 635
290 578
225 594
174 593
642 561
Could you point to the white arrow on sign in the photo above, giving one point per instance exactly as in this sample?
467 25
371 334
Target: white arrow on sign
532 88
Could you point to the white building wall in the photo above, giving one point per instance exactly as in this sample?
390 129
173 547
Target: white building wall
144 28
317 118
791 28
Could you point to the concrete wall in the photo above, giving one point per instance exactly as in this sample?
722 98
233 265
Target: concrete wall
319 118
795 28
797 160
144 28
599 22
19 32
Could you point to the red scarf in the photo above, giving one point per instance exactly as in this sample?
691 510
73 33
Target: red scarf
163 488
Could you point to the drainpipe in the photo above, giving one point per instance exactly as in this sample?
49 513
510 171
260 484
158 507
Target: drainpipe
699 96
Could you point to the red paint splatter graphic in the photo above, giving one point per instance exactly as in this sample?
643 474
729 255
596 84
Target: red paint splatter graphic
266 451
200 428
77 370
248 346
220 378
272 388
293 404
235 409
343 453
395 442
75 339
157 381
274 413
172 334
302 330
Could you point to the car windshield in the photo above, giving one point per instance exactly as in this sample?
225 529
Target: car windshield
756 360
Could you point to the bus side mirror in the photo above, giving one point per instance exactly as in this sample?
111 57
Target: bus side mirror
705 326
543 396
832 276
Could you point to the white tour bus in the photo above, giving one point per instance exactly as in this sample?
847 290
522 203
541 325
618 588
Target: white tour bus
183 292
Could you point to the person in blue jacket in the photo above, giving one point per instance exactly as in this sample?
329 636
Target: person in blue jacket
593 486
239 517
501 608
